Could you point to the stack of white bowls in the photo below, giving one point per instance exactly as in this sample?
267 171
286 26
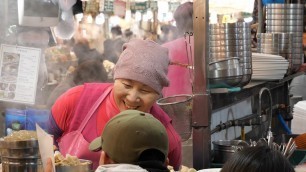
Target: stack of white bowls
269 67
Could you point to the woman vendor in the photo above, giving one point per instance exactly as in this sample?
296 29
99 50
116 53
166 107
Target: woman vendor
80 114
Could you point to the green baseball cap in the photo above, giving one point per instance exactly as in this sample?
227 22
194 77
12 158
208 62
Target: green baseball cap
130 133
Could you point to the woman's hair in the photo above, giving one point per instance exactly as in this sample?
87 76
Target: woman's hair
152 155
116 30
257 159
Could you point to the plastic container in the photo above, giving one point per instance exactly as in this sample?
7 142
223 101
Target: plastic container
34 116
15 120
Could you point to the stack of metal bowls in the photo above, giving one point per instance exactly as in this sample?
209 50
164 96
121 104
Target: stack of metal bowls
20 156
230 44
276 43
288 18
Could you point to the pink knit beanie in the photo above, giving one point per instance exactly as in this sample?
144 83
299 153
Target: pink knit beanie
144 61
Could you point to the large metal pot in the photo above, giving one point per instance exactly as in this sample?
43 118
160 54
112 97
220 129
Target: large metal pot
20 156
224 149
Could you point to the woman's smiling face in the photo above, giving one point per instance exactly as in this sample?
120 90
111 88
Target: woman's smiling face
130 94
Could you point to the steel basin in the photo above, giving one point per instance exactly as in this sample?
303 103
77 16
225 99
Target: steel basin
224 149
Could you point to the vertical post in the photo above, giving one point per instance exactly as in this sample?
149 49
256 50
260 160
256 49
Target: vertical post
260 17
5 12
201 109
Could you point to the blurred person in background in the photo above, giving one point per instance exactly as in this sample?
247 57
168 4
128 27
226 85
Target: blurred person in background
128 35
257 159
113 46
181 52
140 74
83 52
168 33
91 70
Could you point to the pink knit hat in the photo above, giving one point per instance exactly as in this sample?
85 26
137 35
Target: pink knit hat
144 61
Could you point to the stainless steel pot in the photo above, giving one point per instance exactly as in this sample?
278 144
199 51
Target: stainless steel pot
20 156
271 15
273 35
24 164
285 6
229 63
224 149
246 78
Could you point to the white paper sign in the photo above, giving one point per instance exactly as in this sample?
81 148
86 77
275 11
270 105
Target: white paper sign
19 73
45 142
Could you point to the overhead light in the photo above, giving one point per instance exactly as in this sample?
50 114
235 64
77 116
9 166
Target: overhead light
100 19
79 17
149 14
89 19
138 16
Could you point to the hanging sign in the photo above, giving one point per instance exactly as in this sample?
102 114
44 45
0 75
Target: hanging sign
173 6
19 73
138 6
108 6
143 6
152 5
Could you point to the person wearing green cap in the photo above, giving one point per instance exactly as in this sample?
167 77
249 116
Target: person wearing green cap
133 137
81 113
131 141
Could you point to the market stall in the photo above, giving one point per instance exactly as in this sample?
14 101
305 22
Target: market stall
233 100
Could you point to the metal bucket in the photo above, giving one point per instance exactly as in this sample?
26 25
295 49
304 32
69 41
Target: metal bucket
20 156
224 149
14 165
179 108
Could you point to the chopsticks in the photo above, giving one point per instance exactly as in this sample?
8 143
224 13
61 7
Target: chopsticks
289 148
286 149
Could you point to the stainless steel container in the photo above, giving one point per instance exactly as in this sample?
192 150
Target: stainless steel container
20 156
225 42
225 64
246 78
225 82
224 149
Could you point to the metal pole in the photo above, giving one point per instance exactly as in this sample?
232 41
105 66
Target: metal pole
260 17
201 109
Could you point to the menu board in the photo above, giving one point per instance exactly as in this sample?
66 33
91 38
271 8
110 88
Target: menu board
19 73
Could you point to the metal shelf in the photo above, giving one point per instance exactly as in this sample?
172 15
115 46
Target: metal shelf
226 98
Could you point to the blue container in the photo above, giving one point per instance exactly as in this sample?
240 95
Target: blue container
265 2
15 120
34 116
